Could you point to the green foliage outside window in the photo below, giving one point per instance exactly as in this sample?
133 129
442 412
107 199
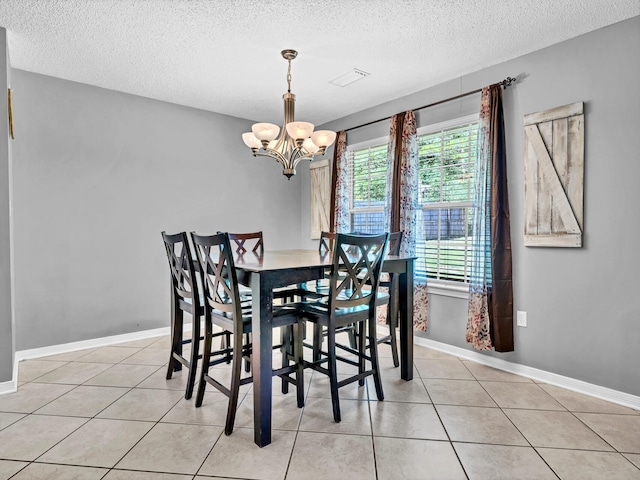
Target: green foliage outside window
370 176
446 165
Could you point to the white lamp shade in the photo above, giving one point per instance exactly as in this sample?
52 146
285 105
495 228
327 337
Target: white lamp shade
309 146
299 130
265 131
250 140
323 138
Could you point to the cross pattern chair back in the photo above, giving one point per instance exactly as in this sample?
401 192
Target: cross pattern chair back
242 242
185 297
219 278
353 296
326 242
223 308
359 259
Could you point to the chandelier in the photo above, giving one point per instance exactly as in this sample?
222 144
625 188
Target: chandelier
297 141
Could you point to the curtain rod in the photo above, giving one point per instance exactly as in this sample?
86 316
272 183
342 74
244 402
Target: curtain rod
505 83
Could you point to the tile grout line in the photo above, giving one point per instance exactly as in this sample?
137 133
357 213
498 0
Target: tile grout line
516 427
297 431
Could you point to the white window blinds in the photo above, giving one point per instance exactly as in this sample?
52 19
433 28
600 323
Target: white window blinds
447 157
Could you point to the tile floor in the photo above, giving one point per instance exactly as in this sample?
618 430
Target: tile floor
109 413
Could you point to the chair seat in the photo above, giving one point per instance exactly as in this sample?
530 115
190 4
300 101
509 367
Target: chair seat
319 309
283 315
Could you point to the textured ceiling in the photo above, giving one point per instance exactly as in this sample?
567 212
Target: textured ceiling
224 56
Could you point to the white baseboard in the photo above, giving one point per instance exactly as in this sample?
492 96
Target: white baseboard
12 385
9 387
93 343
603 393
579 386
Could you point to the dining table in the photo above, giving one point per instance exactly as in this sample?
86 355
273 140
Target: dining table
280 268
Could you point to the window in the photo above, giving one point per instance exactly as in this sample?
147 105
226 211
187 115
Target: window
445 193
367 178
447 156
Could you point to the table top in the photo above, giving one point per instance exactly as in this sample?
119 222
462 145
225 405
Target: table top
287 259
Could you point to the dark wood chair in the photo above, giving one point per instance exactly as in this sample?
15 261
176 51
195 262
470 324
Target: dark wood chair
252 243
242 242
223 308
320 289
185 297
353 297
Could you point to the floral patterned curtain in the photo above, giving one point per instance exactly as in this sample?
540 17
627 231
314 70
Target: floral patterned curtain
401 205
339 186
490 318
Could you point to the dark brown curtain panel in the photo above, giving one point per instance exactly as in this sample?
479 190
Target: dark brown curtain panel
501 296
395 152
490 319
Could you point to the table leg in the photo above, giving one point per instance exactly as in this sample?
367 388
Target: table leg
406 322
262 322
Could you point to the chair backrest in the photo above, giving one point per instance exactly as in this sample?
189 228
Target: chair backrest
182 269
395 240
218 275
357 260
327 240
242 242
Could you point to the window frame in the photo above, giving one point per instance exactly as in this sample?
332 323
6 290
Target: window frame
450 288
351 149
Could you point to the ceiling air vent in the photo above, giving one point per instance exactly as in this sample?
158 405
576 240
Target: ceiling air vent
349 77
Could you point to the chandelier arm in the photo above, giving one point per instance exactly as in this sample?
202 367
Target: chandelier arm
300 156
272 154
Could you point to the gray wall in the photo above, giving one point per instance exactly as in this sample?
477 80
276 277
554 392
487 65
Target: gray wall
97 176
6 327
583 304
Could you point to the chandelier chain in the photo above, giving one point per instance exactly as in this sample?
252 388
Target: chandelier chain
289 77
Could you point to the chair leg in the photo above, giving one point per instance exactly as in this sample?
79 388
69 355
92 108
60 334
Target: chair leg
353 342
373 351
176 340
225 340
247 362
317 341
333 374
206 358
236 369
361 348
298 336
195 350
286 342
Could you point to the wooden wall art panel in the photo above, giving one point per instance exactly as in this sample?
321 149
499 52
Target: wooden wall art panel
554 177
320 193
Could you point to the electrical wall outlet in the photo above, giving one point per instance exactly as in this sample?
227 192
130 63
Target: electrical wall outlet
521 318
